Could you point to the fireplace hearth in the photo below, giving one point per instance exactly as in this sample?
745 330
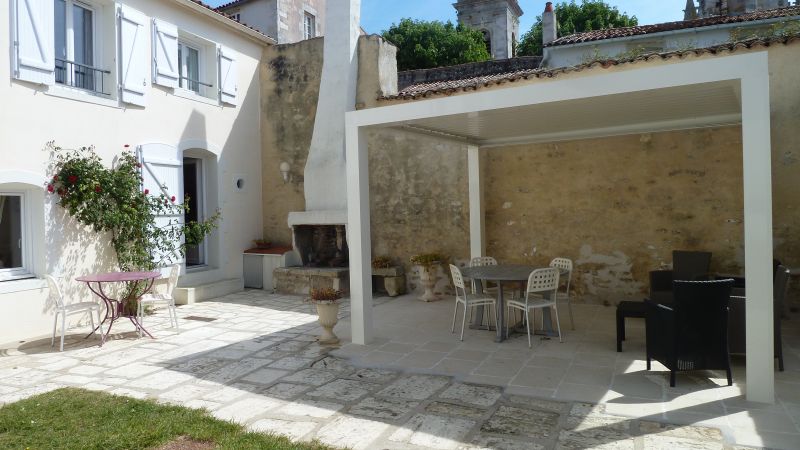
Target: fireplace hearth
322 245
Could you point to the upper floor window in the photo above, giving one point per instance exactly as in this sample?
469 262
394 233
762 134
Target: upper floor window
12 237
309 26
76 56
237 17
189 67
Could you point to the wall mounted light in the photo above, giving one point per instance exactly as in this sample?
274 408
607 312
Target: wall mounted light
285 171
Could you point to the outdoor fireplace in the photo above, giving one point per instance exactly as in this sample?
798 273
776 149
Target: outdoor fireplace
321 245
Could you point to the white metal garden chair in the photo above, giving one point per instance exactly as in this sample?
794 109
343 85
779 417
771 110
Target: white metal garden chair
64 309
565 265
166 297
541 293
468 300
482 261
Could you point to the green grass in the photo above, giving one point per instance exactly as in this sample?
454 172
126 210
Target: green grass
83 420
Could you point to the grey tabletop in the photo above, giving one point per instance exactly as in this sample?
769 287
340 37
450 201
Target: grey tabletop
501 272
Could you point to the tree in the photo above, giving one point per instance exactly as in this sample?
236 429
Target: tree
576 18
423 45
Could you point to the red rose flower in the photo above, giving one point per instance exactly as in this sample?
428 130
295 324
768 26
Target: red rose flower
55 178
127 145
50 188
146 191
72 179
172 199
97 188
61 192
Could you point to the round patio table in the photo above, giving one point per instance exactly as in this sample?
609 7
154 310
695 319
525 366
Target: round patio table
502 273
115 308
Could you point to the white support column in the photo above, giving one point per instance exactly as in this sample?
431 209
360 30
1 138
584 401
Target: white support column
358 234
477 228
757 158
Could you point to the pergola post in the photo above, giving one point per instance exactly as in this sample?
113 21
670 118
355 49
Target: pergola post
358 234
757 159
477 229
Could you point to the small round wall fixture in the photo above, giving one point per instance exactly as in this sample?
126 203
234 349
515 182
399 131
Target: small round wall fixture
238 183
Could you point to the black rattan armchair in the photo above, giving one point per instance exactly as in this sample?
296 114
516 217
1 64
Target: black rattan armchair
686 266
692 334
737 328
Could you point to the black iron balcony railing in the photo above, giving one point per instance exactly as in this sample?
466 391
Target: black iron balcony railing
81 76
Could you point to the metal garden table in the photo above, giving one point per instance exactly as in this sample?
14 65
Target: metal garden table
502 273
115 308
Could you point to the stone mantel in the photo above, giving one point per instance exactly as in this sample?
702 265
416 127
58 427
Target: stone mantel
318 218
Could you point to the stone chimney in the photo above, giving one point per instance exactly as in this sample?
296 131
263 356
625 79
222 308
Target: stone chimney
549 24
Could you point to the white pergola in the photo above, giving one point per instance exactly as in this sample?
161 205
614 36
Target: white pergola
703 92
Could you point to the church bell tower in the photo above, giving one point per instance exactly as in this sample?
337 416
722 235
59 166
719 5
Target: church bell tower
498 20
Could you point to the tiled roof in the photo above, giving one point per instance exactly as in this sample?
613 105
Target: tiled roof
612 33
423 90
231 4
216 10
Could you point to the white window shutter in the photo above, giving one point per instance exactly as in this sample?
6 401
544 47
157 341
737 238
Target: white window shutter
32 24
133 54
228 76
165 54
162 173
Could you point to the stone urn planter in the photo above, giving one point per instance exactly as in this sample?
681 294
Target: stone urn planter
428 263
327 302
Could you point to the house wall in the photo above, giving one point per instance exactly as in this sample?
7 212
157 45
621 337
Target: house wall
32 117
259 14
291 14
418 184
617 206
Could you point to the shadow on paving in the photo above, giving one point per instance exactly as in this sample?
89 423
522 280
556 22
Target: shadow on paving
257 363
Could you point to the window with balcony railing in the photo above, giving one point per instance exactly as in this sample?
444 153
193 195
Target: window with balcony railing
75 47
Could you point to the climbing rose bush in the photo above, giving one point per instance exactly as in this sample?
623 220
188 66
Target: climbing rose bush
112 200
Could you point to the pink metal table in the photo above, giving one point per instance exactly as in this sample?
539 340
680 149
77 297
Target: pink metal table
115 308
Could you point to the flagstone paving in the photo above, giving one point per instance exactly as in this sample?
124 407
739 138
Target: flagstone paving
257 363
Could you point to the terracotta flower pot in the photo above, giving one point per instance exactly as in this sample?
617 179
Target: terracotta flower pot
328 318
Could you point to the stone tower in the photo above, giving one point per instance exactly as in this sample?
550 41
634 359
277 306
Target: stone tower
497 19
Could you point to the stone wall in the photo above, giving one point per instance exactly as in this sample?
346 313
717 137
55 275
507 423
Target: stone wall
617 206
290 77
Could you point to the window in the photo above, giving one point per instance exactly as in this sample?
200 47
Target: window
487 40
309 26
12 237
237 17
194 190
189 67
75 47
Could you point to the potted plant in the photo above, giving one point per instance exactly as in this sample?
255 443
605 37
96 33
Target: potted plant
262 243
428 262
327 302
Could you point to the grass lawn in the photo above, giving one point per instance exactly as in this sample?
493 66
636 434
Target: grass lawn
83 420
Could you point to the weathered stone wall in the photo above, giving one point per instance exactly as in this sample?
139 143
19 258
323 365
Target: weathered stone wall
418 199
617 206
785 98
290 77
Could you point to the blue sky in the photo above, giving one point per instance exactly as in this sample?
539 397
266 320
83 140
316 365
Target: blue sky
377 15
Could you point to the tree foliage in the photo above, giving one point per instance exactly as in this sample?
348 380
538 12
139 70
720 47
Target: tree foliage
423 45
576 18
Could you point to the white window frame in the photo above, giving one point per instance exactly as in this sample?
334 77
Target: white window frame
97 43
183 66
309 25
205 57
24 271
200 168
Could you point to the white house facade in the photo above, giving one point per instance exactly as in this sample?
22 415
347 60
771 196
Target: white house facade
174 81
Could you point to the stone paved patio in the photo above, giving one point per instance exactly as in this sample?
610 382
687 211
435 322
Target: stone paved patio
257 363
